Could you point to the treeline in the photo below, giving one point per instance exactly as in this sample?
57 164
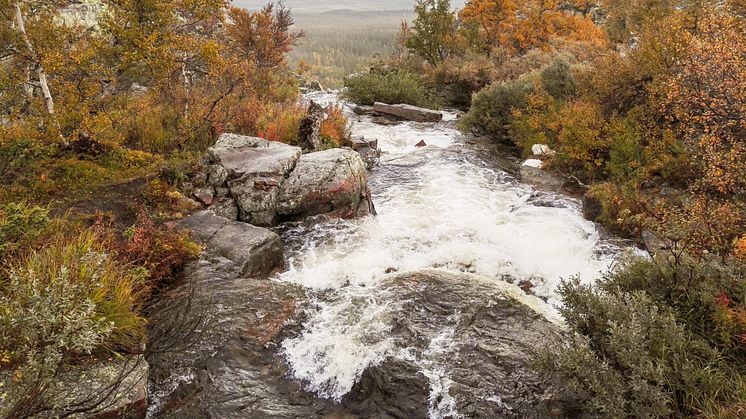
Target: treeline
644 104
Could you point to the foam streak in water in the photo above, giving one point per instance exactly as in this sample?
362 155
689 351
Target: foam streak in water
435 210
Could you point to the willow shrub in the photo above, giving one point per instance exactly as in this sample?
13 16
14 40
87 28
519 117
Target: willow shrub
492 108
393 87
655 340
71 275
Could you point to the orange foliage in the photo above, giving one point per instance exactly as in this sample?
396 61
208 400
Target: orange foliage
334 128
708 99
517 27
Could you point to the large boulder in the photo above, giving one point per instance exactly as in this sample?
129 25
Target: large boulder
263 182
486 332
256 251
332 182
252 169
409 112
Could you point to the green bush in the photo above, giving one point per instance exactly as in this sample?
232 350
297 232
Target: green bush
20 225
558 80
491 110
642 347
457 79
390 87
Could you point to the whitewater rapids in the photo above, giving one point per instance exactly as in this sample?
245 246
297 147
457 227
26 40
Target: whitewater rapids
436 209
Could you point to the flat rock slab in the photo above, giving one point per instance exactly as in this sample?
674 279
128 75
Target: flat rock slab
409 112
251 156
257 251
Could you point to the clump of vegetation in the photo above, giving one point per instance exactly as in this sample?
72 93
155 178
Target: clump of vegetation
651 341
392 87
335 130
491 111
68 300
158 253
21 225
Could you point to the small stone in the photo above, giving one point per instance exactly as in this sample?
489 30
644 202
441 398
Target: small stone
205 195
422 143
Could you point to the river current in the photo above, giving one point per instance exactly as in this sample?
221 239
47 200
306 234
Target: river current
438 207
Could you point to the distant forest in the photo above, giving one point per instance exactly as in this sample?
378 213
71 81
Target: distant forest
342 42
342 36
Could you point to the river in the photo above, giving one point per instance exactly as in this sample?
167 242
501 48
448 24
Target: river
441 206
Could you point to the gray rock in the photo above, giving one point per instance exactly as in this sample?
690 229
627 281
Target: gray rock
205 195
203 225
252 157
255 251
216 175
332 182
359 143
534 175
409 112
592 206
494 329
225 207
368 150
255 168
256 198
310 128
394 389
363 110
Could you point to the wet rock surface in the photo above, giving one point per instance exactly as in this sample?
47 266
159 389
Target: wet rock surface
100 387
213 338
492 331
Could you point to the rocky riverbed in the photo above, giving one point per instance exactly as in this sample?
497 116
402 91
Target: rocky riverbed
432 308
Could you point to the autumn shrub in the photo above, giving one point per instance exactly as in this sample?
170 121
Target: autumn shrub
68 300
335 131
159 252
391 87
645 346
70 275
281 123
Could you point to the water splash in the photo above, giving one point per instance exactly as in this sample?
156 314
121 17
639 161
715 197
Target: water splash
436 209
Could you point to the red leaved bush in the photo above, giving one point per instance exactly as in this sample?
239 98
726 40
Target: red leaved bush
161 252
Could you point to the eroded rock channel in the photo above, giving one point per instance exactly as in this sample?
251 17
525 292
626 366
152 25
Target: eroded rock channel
305 304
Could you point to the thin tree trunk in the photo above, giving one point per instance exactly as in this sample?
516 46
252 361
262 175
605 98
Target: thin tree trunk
37 64
187 86
28 88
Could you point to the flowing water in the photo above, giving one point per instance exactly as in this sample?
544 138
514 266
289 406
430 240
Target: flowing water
440 206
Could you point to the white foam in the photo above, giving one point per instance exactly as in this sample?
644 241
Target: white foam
450 214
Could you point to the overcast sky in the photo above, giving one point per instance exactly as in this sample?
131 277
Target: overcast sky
304 6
